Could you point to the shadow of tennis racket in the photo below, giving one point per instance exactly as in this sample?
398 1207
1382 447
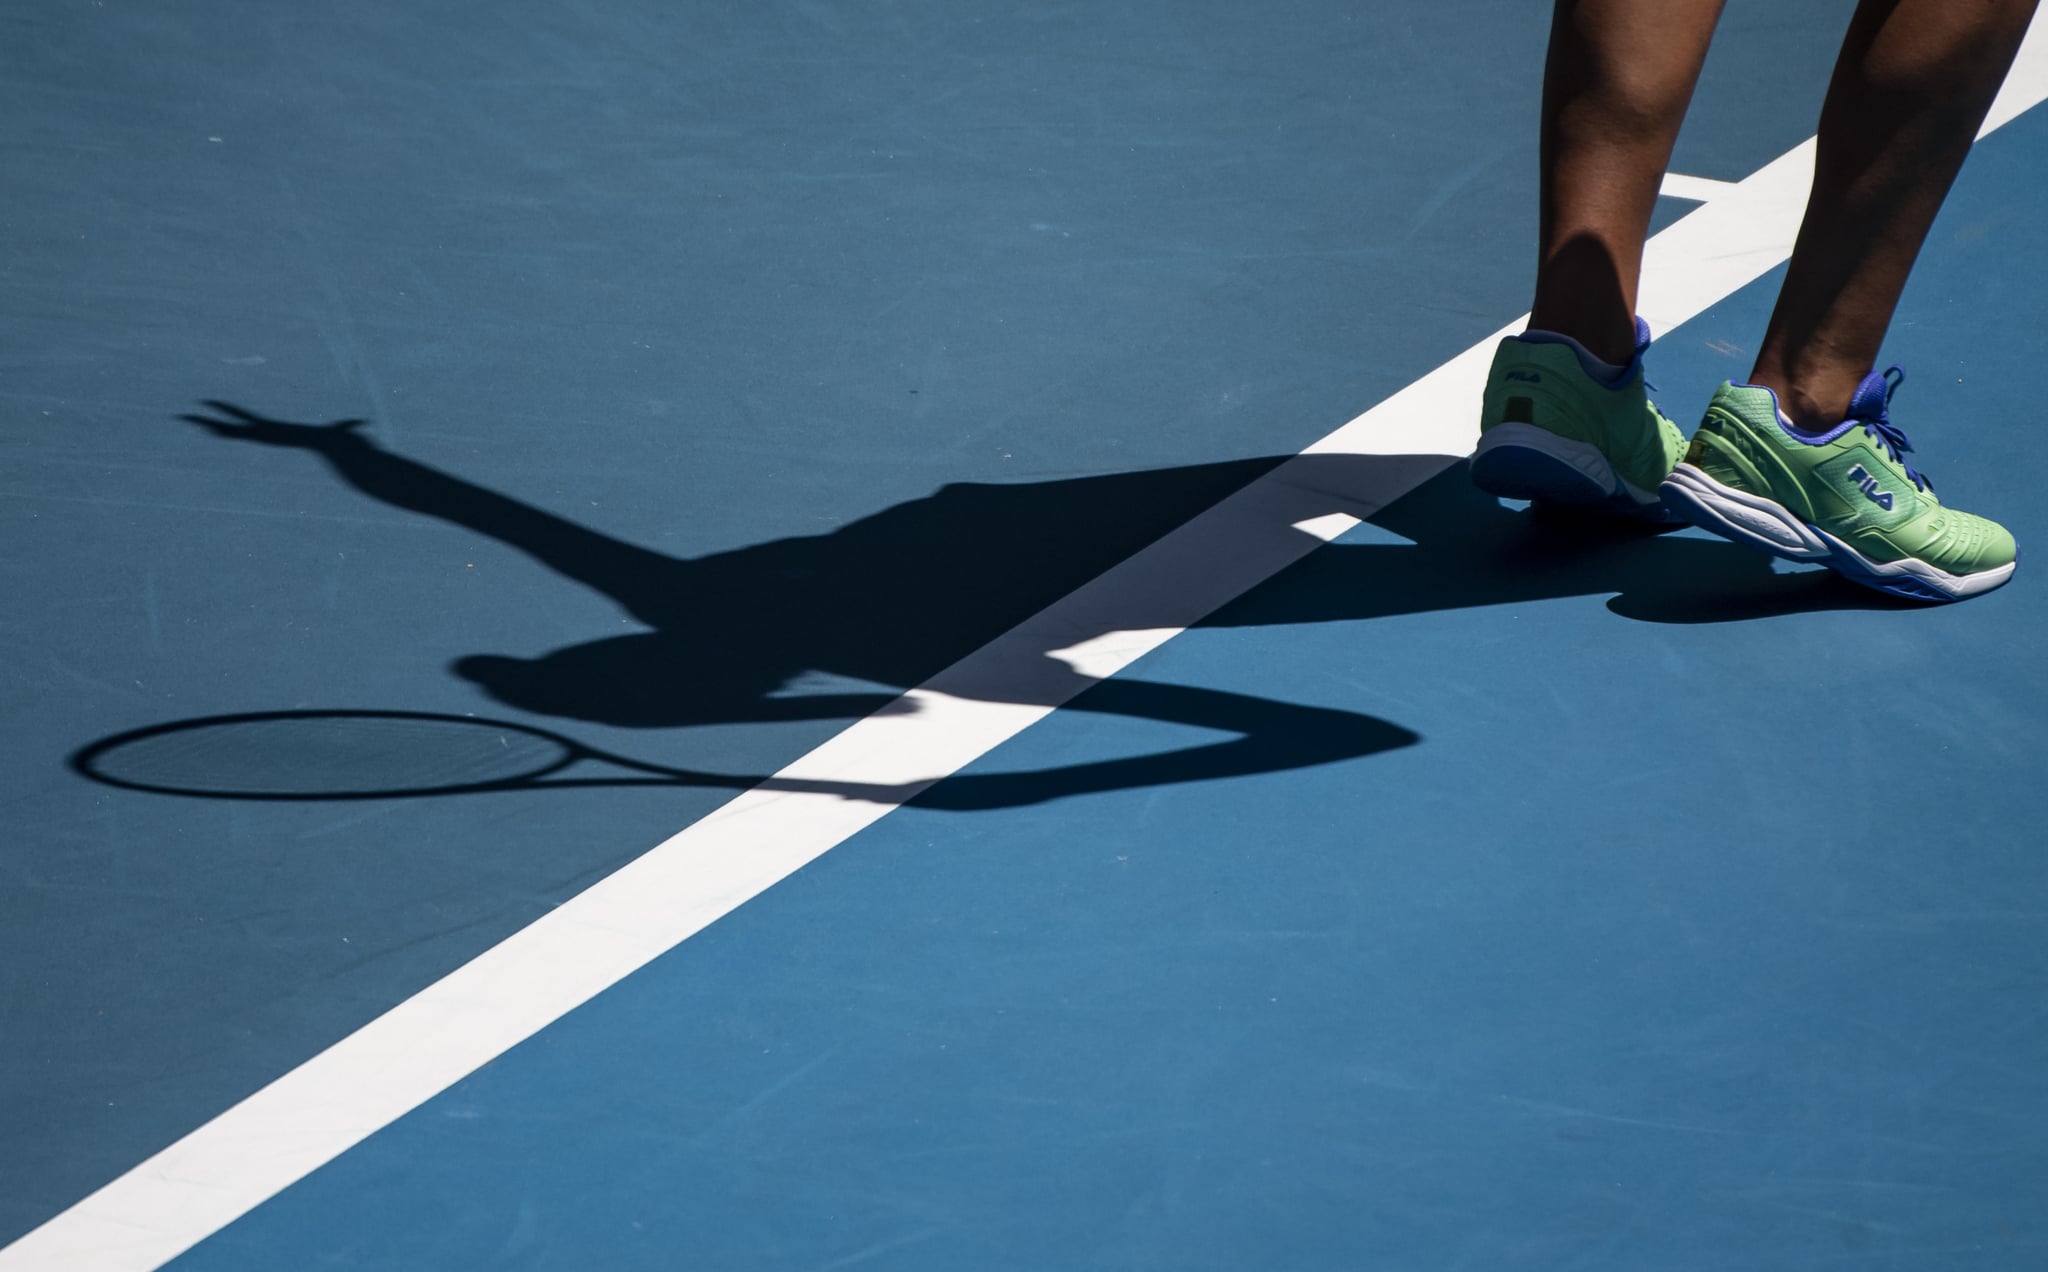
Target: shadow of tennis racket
355 754
312 754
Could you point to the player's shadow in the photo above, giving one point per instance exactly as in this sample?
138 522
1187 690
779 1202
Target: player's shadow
896 597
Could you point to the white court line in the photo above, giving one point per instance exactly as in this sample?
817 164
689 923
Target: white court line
419 1048
1677 185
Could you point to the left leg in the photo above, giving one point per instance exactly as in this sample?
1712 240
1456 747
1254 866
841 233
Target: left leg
1566 417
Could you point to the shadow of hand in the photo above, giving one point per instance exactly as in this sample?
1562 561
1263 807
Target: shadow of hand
233 422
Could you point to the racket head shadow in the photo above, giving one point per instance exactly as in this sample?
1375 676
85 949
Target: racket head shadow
326 755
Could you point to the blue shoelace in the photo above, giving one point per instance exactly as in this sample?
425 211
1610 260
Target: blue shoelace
1893 437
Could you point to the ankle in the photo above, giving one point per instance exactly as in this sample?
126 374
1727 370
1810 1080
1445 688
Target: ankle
1813 402
1582 293
1597 369
1603 340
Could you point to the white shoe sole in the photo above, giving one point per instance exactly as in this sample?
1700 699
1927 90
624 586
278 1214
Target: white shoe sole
1767 524
1522 461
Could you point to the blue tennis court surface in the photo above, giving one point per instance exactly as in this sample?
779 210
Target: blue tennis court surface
1546 896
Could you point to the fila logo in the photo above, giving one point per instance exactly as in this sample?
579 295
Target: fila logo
1526 377
1882 498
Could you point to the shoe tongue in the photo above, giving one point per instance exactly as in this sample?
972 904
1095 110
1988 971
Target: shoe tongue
1869 401
1642 335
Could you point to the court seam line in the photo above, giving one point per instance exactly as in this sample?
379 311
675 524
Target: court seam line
397 1062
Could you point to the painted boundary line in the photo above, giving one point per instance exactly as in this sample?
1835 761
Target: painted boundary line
1693 189
400 1060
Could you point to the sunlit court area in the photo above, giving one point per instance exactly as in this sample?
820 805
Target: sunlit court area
862 634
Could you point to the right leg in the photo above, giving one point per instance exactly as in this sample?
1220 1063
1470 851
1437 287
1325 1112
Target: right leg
1913 83
1566 417
1804 461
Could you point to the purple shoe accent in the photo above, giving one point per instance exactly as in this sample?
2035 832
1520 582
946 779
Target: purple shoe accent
1596 369
1793 431
1874 395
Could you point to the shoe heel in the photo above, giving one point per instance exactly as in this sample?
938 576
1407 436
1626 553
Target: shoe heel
1521 461
1514 473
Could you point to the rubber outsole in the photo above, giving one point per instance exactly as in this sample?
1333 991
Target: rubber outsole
1521 461
1762 523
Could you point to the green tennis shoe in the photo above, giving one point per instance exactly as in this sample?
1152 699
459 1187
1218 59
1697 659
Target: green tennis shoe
1558 427
1845 498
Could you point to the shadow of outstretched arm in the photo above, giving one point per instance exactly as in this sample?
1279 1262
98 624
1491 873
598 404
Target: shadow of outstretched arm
633 576
1272 736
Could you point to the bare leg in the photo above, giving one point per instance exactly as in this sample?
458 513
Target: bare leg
1619 77
1911 87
